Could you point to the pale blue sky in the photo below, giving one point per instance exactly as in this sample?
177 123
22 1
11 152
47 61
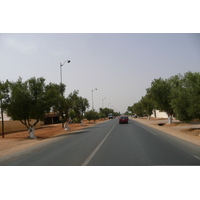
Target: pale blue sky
120 66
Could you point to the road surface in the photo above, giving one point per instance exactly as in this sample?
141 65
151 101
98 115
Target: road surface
109 144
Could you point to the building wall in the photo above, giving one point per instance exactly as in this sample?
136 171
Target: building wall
160 114
14 126
5 117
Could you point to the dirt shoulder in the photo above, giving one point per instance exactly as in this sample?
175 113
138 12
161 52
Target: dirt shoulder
186 131
14 142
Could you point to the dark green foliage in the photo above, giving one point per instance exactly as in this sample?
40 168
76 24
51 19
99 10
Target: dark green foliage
137 109
185 96
147 105
179 96
159 92
78 104
106 111
91 115
31 100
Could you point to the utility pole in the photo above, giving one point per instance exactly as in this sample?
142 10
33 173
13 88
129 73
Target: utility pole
92 99
102 103
68 61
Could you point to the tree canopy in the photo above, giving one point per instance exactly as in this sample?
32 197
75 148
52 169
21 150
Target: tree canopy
31 100
178 96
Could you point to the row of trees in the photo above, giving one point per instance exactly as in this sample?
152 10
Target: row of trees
178 96
31 99
103 113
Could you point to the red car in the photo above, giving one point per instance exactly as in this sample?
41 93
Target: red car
123 119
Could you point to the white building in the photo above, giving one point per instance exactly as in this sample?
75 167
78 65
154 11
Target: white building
160 114
5 117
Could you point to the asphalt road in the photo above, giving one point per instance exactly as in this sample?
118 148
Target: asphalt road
110 144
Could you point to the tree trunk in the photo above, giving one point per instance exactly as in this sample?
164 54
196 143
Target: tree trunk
148 117
82 123
169 119
154 110
66 126
31 131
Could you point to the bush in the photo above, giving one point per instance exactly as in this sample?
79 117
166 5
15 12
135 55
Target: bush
91 115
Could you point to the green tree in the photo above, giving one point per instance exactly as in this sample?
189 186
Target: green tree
130 110
83 105
91 115
54 92
185 97
72 114
79 104
192 85
102 115
137 109
74 98
160 94
147 105
106 111
30 100
4 96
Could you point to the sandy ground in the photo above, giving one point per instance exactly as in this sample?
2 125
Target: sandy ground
13 142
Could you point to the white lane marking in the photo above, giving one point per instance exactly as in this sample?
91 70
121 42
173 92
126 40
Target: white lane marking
147 129
197 157
97 148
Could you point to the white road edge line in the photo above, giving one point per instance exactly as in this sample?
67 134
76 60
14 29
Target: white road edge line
197 157
97 148
147 129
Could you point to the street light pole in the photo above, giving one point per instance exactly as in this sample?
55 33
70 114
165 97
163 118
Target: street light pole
102 102
92 99
68 61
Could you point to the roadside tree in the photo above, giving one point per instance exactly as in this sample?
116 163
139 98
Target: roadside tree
137 109
147 105
185 97
58 100
106 111
160 93
4 96
130 110
30 100
91 115
79 104
192 85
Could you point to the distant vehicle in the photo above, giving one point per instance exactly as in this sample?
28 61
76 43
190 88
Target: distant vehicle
110 116
123 119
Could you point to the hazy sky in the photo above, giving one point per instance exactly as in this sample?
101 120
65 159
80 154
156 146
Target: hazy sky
120 66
